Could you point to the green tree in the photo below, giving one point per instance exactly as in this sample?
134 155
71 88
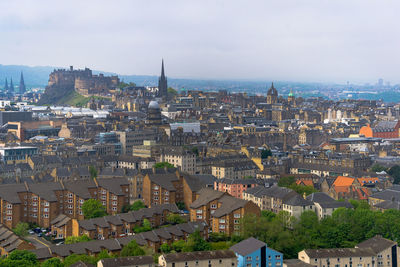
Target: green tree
395 173
162 165
175 219
104 254
265 153
180 205
195 150
93 172
196 242
137 205
24 256
178 245
269 215
53 262
217 237
286 181
172 91
77 239
145 226
302 189
132 249
165 248
92 208
378 168
21 229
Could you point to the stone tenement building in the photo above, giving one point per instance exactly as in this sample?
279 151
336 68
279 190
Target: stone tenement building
63 81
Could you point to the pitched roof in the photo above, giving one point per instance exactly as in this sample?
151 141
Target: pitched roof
297 200
247 246
164 180
343 181
296 263
127 261
339 252
199 255
206 195
377 244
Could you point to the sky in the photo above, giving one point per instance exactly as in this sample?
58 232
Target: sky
292 40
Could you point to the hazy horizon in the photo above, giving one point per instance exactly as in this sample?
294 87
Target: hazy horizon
298 41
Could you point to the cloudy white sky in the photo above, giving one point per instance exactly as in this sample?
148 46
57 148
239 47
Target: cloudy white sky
297 40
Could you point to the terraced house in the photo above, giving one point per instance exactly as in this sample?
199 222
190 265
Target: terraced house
42 202
111 226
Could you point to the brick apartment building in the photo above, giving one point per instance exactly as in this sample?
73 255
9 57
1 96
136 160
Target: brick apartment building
221 211
42 202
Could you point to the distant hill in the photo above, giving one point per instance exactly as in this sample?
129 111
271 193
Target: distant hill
33 76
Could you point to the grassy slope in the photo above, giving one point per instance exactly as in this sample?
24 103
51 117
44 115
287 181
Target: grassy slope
77 100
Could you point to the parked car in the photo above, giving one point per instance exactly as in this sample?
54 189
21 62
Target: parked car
31 232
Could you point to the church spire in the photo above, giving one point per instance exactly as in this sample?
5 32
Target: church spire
11 88
6 85
162 83
22 88
162 69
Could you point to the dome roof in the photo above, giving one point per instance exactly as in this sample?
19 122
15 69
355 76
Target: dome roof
154 104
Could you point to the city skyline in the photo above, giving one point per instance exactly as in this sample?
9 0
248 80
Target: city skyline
304 41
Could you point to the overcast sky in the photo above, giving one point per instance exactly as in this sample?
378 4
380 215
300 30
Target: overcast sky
298 40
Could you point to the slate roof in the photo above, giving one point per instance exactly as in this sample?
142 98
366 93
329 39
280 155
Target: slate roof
46 191
60 220
340 252
8 240
199 255
164 180
206 195
127 261
247 246
296 263
377 244
80 187
9 192
297 200
95 246
388 204
113 185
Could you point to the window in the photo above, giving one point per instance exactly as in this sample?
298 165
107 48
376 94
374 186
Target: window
81 201
199 211
248 258
34 198
9 206
9 218
221 220
46 209
103 202
46 204
199 217
114 197
236 215
69 200
222 226
70 206
46 215
213 206
70 195
114 203
9 212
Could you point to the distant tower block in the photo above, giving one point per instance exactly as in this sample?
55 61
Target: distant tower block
162 84
22 88
6 85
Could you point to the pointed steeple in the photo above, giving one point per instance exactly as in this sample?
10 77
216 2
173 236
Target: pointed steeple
162 69
22 88
162 83
6 85
11 88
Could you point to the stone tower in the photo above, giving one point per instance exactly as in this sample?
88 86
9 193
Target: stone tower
291 98
22 88
11 88
162 84
272 95
154 114
6 85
